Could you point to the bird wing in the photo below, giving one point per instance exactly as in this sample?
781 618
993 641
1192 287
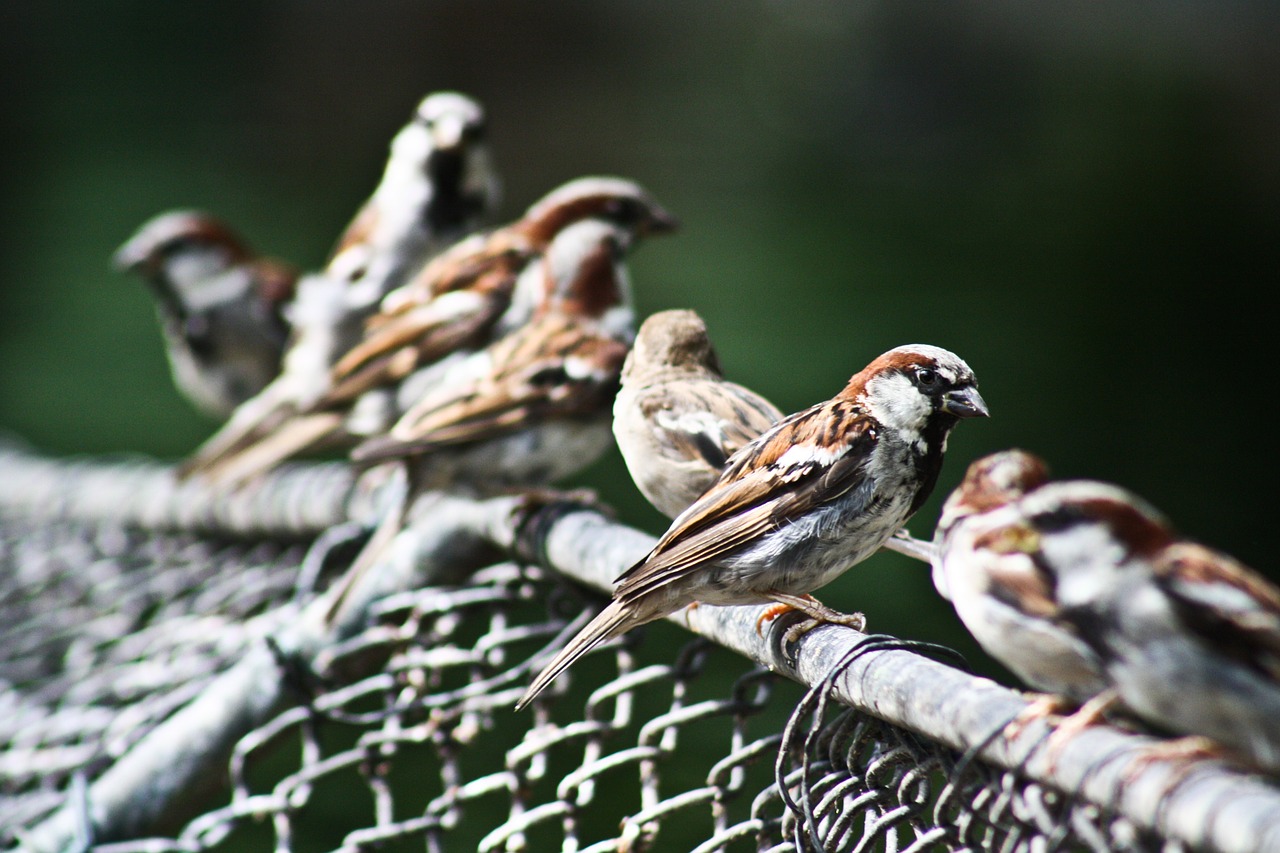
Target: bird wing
807 460
555 366
706 419
1228 606
416 338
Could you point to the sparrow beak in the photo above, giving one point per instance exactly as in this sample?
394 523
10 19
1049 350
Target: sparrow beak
129 256
447 132
965 403
661 221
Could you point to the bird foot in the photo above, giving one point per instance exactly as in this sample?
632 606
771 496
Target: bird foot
1185 751
1090 714
1043 706
818 613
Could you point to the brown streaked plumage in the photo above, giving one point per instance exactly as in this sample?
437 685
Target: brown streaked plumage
677 420
819 492
1189 638
530 408
477 292
989 565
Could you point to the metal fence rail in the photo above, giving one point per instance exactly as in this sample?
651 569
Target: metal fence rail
167 683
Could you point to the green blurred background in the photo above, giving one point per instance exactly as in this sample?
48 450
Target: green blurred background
1083 200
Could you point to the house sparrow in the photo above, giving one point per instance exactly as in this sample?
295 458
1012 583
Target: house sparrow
439 180
530 408
558 370
987 566
676 419
219 306
475 293
816 494
1189 639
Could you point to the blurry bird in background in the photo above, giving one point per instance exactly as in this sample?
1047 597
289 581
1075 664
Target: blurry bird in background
437 184
1004 594
529 409
1083 588
676 419
220 306
481 290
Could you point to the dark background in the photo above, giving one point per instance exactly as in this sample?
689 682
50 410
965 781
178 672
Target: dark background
1082 200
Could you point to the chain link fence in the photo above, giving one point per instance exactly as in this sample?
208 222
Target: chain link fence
166 685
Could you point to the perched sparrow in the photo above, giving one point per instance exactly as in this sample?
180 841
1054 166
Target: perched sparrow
475 293
676 419
219 306
816 494
558 370
987 565
439 181
532 407
1188 637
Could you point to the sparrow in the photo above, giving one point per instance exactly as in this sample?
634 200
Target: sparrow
531 408
439 180
677 420
986 565
1189 639
220 306
475 293
544 390
817 493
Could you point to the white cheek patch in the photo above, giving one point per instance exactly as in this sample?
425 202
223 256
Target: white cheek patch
895 402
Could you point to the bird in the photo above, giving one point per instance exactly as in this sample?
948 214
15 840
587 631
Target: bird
986 565
561 367
531 408
1189 638
473 294
817 493
677 420
438 182
220 306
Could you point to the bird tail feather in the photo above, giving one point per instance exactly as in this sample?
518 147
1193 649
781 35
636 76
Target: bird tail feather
612 622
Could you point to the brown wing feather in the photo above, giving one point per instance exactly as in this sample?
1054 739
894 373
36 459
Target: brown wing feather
741 417
755 495
529 382
1229 606
415 340
753 415
480 262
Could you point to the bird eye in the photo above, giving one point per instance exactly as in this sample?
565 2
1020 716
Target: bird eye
623 211
927 377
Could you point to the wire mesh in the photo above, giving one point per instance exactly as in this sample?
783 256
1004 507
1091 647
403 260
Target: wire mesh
402 736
